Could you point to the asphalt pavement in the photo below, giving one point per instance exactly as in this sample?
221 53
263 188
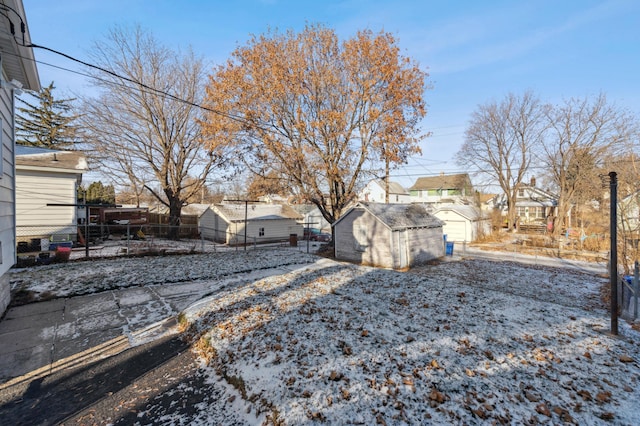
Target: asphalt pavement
61 356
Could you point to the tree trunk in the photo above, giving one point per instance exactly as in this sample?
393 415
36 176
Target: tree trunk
175 209
386 182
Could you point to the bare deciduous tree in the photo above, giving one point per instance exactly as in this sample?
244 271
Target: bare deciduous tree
499 140
320 112
582 132
145 133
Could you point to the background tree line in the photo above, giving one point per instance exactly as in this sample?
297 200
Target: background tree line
572 145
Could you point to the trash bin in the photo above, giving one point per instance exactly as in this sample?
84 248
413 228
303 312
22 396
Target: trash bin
63 253
449 250
293 240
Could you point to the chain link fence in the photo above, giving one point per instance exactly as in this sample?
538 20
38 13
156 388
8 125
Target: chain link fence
46 244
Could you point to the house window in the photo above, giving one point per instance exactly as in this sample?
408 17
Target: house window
397 198
261 232
520 192
521 211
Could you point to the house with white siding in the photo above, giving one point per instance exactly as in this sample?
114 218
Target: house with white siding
312 217
19 71
534 206
376 192
46 192
388 235
254 223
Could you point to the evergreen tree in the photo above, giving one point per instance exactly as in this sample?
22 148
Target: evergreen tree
47 123
97 193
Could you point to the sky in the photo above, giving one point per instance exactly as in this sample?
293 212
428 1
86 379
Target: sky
474 51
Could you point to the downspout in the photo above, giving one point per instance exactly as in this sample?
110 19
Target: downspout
13 175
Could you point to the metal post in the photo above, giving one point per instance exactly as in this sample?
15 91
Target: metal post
128 240
246 209
613 265
636 289
86 226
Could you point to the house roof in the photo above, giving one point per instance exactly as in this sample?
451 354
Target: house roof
18 61
195 209
236 212
485 198
457 181
471 213
399 216
51 159
394 187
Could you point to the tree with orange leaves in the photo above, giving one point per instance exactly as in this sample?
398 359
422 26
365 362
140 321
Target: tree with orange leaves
323 113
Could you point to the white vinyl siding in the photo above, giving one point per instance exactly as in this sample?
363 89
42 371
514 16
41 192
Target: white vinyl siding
34 218
7 212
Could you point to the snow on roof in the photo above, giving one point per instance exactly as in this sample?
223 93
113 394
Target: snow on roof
195 209
400 216
236 212
50 158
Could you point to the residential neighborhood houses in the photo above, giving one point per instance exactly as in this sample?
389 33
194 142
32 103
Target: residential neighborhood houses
421 302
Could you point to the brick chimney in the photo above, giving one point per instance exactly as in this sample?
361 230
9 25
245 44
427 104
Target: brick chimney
533 182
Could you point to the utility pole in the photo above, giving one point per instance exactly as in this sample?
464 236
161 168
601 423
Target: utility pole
613 261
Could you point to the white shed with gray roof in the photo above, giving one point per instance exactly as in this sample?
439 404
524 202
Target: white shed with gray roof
388 235
264 223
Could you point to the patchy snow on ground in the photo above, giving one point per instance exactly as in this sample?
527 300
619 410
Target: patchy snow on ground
462 341
86 277
459 342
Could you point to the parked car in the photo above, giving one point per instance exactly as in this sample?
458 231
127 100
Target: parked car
314 234
321 237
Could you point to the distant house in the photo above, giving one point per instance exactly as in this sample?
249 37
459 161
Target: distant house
442 189
629 214
534 206
311 217
463 223
19 70
375 191
265 223
486 201
45 177
388 235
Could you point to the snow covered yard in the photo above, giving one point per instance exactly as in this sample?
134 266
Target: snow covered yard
463 342
86 277
459 342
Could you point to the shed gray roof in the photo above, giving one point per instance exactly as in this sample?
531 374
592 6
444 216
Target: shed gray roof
401 216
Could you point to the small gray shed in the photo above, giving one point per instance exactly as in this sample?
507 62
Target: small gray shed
388 235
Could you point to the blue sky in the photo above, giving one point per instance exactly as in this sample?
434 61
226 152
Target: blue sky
474 51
